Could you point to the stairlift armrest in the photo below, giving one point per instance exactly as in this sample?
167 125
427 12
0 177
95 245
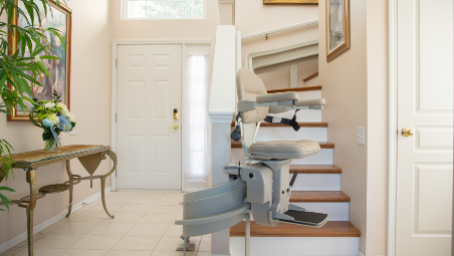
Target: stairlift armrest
276 97
246 105
300 104
311 102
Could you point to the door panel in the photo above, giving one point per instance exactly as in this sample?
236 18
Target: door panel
425 100
149 88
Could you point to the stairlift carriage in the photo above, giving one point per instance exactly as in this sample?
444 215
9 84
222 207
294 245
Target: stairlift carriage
261 187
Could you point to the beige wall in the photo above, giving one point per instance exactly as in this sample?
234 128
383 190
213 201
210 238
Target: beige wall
165 29
355 85
90 103
344 81
377 127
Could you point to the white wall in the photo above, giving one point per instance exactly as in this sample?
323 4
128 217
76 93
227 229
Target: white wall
90 103
377 127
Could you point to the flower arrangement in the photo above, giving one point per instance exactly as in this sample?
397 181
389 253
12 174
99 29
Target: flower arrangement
54 117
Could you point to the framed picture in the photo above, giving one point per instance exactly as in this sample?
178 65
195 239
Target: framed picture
290 1
59 17
337 28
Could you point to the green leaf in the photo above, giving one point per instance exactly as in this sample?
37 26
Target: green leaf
47 57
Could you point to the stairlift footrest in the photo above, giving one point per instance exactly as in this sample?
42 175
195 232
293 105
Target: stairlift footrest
311 219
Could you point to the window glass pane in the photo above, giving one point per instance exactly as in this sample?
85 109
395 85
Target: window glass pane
156 9
136 9
194 8
175 8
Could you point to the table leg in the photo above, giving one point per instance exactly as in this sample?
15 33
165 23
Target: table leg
31 179
71 186
103 196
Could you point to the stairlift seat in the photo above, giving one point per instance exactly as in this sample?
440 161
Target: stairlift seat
284 149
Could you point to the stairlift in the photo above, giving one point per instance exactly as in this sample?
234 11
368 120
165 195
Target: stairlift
261 188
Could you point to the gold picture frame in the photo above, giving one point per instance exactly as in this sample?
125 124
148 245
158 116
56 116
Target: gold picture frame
290 1
63 77
337 28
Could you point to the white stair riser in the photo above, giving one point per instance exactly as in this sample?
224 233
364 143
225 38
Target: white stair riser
317 182
335 211
324 157
304 115
301 246
287 133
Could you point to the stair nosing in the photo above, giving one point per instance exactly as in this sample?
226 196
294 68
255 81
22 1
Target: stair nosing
298 231
319 197
320 169
297 89
323 145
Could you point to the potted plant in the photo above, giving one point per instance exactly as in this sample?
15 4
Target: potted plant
21 69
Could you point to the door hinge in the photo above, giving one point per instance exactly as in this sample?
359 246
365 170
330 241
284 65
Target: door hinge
116 62
115 117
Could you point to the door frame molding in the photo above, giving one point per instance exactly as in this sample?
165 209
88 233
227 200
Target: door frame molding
115 44
392 126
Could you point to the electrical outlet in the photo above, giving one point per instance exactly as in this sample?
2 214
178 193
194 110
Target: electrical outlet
74 131
361 136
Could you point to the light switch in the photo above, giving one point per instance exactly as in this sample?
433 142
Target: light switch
361 136
74 131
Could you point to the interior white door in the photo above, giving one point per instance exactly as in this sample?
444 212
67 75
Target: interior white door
425 105
148 136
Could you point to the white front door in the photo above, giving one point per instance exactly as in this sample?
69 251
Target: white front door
148 136
425 105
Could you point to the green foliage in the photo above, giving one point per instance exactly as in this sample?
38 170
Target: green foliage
22 69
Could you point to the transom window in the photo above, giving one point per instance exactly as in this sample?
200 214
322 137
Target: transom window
163 9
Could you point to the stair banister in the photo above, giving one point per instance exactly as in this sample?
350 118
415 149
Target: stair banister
276 30
221 112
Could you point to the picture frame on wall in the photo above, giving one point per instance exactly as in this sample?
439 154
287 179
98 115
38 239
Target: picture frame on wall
337 28
290 1
59 17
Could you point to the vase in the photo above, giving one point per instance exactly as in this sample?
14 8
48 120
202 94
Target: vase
48 145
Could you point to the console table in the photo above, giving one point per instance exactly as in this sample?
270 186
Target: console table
89 155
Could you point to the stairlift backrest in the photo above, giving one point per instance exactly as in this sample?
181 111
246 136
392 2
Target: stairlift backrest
249 87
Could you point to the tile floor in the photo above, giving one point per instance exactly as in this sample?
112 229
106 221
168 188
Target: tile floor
143 226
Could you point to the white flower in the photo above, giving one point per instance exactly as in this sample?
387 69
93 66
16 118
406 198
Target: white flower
65 112
49 105
53 118
62 106
71 118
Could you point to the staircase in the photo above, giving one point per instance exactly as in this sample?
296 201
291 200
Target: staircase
317 189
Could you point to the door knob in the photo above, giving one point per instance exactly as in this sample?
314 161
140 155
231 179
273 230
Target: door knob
174 127
407 132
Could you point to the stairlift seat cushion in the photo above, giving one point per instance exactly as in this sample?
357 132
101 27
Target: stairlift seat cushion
277 97
284 149
310 102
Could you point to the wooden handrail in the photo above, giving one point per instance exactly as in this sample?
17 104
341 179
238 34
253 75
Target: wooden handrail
266 33
297 89
309 77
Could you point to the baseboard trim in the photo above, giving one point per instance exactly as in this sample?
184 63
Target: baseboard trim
42 226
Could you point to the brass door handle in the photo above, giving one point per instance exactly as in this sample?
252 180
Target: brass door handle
174 127
407 132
